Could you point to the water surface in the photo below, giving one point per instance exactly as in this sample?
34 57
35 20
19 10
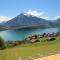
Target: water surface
23 33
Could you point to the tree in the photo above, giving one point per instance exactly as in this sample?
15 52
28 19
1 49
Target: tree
2 44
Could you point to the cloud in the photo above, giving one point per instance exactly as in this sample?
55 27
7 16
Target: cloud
45 17
34 13
40 14
4 18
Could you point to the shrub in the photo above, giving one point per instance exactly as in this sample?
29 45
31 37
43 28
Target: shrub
2 44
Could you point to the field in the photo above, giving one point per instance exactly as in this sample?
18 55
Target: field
31 49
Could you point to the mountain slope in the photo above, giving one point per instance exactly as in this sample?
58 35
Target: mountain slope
57 22
24 21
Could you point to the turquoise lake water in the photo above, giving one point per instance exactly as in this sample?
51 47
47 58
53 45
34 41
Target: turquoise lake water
23 33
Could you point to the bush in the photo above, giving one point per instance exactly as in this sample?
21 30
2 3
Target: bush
2 44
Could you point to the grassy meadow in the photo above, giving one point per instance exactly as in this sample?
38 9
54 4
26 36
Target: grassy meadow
30 49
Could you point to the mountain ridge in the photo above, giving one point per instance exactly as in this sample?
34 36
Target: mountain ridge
24 21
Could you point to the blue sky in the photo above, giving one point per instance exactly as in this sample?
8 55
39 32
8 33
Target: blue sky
11 8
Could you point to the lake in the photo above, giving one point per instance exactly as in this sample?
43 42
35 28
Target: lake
21 34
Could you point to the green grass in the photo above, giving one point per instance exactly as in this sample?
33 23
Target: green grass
31 49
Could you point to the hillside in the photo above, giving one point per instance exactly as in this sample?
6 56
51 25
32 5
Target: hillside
33 50
24 21
28 21
57 22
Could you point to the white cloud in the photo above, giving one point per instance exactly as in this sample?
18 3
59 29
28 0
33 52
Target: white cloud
45 17
40 14
36 13
4 18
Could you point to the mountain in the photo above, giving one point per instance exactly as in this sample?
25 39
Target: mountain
26 21
57 22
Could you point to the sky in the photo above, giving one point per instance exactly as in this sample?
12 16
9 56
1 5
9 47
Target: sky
47 9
